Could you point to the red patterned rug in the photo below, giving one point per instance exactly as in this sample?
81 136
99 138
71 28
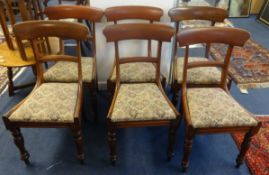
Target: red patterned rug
257 157
249 65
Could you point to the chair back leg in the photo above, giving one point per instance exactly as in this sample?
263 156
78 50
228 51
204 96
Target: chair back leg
172 137
112 142
79 143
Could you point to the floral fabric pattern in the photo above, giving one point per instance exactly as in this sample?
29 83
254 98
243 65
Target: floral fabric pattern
213 107
199 75
144 101
139 72
51 102
64 71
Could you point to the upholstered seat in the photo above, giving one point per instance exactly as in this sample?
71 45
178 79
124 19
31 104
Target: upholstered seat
213 107
201 75
135 72
67 71
50 102
143 101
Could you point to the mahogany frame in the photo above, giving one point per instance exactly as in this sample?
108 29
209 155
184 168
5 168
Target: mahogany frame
32 30
91 15
121 32
122 13
232 37
180 14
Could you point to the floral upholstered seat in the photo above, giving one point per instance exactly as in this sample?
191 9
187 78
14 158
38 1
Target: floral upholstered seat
67 71
213 107
201 75
143 101
50 102
135 72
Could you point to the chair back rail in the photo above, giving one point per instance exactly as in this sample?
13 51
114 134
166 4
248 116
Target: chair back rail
61 29
179 14
118 13
72 11
121 32
159 32
229 36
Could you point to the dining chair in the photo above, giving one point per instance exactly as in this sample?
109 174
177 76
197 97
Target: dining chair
199 76
144 103
60 72
134 72
50 104
212 110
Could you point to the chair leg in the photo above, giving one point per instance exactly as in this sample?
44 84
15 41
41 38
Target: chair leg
172 138
83 113
94 101
111 88
229 84
10 81
187 148
244 147
19 142
112 142
163 82
175 89
79 143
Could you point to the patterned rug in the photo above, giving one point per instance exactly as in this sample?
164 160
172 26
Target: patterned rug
257 157
249 65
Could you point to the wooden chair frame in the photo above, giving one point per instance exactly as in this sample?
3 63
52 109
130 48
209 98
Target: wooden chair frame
31 31
92 15
25 15
232 37
180 14
122 32
122 13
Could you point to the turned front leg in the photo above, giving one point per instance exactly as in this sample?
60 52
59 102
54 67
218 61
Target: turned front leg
79 144
94 100
245 145
112 143
19 142
187 148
